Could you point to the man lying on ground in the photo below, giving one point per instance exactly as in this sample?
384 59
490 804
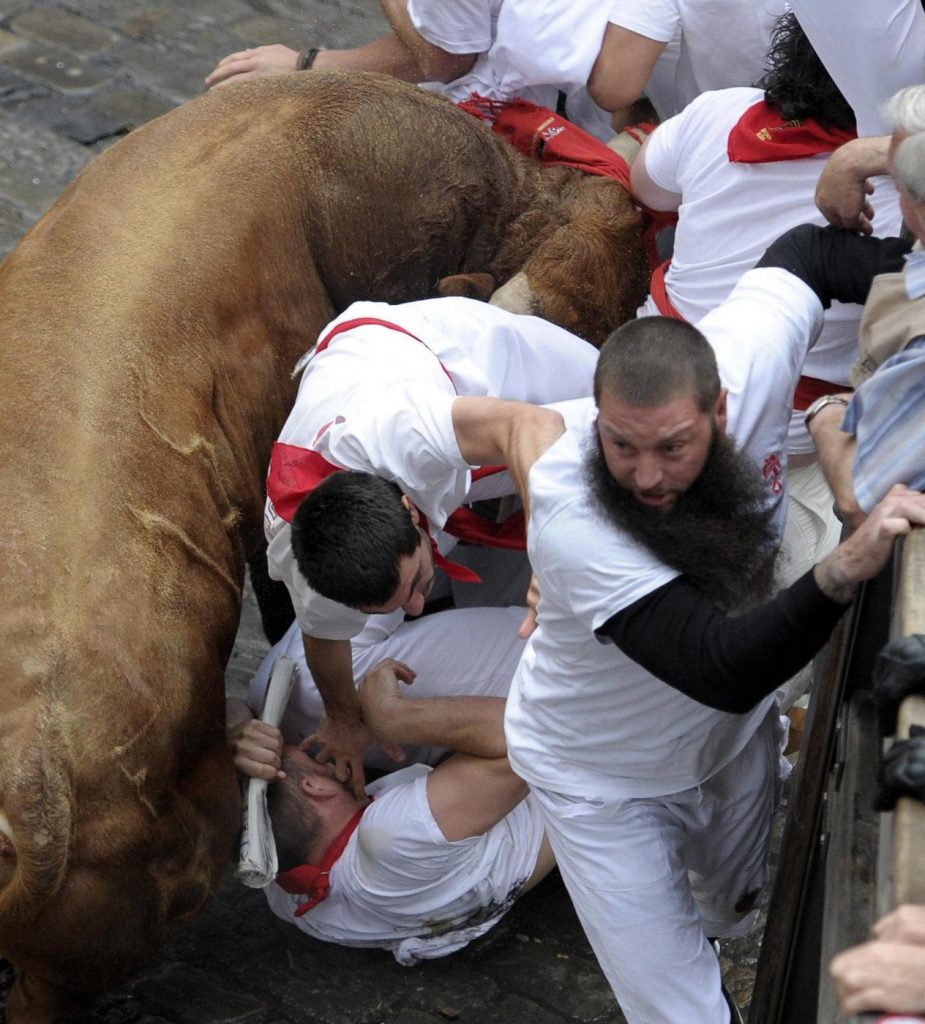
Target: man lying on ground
427 859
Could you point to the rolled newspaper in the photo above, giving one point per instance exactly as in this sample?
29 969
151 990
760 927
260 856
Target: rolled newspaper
257 864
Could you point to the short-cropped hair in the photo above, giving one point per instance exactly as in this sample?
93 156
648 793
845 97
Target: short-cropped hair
296 827
348 536
651 360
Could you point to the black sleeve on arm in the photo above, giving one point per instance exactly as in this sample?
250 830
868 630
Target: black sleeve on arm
726 662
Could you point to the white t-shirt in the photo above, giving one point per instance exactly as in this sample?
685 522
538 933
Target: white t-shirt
583 719
528 49
723 43
871 50
380 401
731 212
401 885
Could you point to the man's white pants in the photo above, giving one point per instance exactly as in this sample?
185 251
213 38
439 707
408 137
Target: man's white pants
462 652
651 878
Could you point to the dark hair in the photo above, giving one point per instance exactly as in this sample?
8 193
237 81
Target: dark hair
648 361
348 536
296 826
797 82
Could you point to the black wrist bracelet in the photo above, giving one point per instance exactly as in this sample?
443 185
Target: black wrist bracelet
307 58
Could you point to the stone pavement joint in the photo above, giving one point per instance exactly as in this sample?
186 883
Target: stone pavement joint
58 27
55 67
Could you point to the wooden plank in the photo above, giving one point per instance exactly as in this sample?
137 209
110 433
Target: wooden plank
909 817
775 983
909 823
910 590
851 896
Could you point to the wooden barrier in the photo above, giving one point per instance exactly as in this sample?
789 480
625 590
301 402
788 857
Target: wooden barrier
908 826
842 865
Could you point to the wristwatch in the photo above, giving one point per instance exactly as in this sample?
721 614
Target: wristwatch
820 403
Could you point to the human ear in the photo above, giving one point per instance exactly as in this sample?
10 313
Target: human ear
411 507
719 410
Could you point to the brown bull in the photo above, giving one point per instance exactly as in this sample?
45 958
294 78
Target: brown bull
150 323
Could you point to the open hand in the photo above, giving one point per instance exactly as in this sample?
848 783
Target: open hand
254 63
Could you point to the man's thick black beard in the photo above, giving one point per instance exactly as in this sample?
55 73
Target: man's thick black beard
718 533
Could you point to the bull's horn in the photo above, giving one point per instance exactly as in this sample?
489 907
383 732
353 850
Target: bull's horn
7 851
515 295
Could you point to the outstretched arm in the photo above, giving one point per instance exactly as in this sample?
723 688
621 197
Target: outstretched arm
404 53
494 430
256 746
387 56
474 789
470 725
680 636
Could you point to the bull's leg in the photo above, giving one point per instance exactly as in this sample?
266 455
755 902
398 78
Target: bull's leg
36 1000
273 599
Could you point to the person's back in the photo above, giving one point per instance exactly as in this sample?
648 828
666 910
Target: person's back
730 212
740 182
526 50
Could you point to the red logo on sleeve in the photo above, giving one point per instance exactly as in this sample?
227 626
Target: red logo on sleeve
774 474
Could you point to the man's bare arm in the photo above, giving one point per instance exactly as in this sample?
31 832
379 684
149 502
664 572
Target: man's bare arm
843 190
471 725
432 63
403 54
470 791
645 190
468 795
836 451
623 67
494 430
386 56
868 549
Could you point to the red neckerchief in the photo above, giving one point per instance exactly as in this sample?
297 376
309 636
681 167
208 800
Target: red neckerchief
761 136
542 134
314 879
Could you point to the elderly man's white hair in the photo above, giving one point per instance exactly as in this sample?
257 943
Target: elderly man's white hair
906 113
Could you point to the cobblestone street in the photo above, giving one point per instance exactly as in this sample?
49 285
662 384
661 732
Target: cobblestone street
75 77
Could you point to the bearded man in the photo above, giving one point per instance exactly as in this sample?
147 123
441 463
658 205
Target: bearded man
642 713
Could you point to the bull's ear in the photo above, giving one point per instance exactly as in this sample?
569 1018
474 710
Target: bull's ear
470 286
